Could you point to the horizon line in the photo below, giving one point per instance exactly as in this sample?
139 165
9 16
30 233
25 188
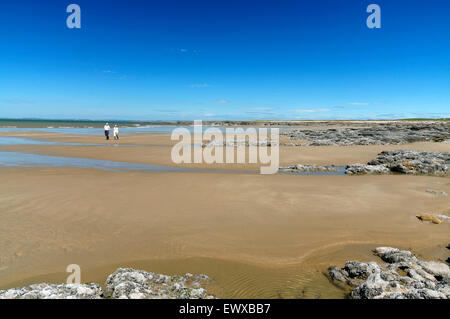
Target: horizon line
216 120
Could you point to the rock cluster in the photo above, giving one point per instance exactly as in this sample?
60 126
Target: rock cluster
404 276
234 143
405 162
434 192
309 168
361 169
50 291
122 284
379 134
127 283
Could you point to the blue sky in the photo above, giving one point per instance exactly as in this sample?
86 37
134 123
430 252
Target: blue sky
233 59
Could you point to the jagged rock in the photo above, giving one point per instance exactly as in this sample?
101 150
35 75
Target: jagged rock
436 269
361 169
360 270
394 255
423 279
405 162
376 134
122 284
50 291
400 168
299 168
338 275
127 283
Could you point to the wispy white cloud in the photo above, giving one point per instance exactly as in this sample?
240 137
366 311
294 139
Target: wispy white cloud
199 85
359 103
188 51
262 108
260 113
432 115
391 115
311 110
222 101
17 101
111 74
168 111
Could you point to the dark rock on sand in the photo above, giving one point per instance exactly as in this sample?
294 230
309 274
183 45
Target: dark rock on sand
299 168
434 192
405 162
404 276
363 169
376 133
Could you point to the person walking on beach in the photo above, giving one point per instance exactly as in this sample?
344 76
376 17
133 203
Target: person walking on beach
116 132
107 128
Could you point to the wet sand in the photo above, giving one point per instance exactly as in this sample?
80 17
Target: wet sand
156 149
257 236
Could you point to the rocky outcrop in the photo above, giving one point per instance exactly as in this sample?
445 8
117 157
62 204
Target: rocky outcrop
404 276
49 291
362 169
122 284
434 192
405 162
378 134
299 168
138 284
234 143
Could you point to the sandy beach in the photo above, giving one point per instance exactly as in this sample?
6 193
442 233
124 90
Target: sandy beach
214 150
257 236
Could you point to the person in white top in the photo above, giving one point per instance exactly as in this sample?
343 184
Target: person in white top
107 128
116 132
